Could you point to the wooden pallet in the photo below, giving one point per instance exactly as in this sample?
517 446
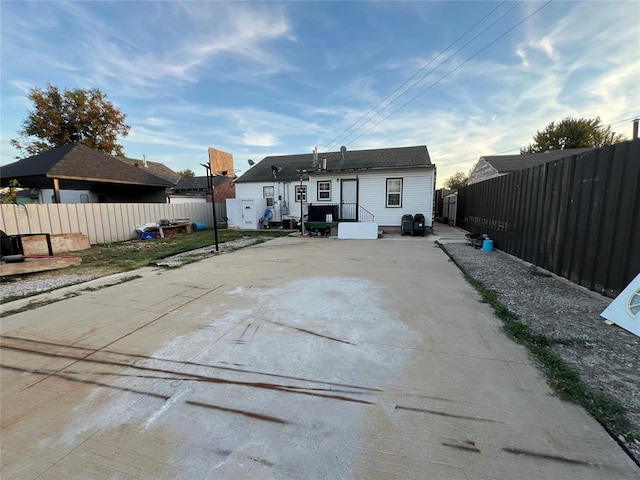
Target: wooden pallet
31 265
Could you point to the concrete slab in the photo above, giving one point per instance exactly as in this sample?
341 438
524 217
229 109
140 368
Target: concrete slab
297 358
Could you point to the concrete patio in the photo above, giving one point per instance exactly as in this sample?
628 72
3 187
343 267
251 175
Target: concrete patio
301 358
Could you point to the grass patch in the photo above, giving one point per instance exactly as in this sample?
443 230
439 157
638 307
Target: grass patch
100 287
536 272
38 304
119 257
107 259
564 380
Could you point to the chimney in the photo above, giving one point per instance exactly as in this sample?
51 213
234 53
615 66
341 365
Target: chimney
314 164
635 129
144 161
324 164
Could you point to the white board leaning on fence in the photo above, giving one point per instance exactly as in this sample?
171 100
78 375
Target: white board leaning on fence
625 309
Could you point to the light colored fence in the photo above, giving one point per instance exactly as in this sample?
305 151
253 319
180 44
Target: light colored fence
101 222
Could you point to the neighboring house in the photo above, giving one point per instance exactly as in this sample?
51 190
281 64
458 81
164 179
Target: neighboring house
75 173
196 189
496 165
157 168
362 185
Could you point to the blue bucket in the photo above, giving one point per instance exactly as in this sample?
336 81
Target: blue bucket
487 246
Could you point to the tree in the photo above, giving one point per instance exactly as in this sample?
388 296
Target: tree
10 194
573 133
81 115
187 173
456 181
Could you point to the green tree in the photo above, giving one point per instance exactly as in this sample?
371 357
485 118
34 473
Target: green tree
573 133
187 173
11 193
81 115
456 181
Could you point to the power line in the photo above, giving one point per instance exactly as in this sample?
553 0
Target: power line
452 71
336 139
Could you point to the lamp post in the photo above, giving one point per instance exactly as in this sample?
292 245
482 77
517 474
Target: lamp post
213 201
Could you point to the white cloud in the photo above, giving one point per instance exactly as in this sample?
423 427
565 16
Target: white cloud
259 139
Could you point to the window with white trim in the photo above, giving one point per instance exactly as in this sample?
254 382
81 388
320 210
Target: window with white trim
267 192
394 192
324 191
301 193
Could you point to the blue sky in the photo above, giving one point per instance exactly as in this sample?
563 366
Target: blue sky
273 78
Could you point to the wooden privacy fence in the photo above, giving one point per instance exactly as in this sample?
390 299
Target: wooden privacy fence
578 217
100 222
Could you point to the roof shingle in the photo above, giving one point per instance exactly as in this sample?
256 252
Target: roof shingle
78 162
383 158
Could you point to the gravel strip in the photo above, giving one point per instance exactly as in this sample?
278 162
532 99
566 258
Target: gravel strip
21 288
606 356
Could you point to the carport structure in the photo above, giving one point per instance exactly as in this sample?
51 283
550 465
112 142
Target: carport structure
298 358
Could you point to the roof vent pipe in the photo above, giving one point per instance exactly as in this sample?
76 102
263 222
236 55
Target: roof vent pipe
635 129
324 164
144 161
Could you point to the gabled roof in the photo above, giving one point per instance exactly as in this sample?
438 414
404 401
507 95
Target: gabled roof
515 163
354 160
157 168
75 161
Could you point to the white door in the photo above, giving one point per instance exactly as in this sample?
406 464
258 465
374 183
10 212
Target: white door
349 199
248 215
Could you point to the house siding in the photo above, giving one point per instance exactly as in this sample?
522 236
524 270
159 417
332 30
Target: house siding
417 195
482 171
286 190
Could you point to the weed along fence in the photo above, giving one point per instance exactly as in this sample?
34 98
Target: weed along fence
578 217
100 222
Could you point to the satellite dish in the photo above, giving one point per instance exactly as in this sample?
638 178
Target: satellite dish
251 162
343 150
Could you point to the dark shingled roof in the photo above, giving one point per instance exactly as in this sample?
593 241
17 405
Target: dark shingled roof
75 161
157 168
515 163
355 160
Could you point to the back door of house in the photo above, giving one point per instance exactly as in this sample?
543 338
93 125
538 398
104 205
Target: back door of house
248 215
349 199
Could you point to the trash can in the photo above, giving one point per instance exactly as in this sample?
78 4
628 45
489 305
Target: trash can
406 225
418 224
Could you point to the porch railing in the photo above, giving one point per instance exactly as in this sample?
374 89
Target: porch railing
343 212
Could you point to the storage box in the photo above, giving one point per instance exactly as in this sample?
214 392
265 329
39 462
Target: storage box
147 235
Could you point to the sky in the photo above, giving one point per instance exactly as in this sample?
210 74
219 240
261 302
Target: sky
256 79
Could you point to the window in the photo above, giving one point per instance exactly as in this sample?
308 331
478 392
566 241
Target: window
324 190
394 192
301 193
267 192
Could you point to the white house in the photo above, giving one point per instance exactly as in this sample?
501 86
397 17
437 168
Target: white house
378 185
492 166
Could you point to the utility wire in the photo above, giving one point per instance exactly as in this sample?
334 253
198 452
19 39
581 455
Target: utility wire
337 139
452 71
